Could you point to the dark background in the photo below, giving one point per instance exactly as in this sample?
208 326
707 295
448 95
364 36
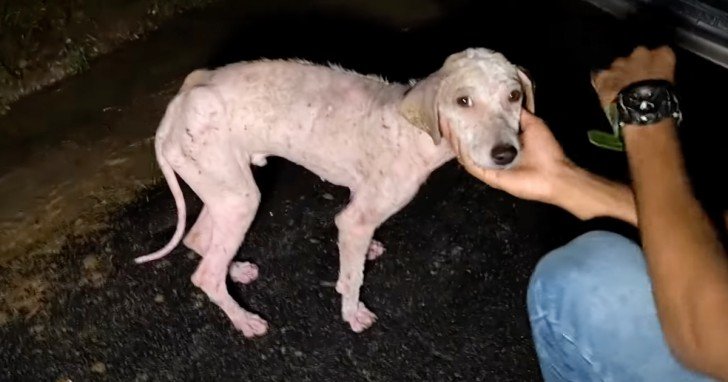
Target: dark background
449 291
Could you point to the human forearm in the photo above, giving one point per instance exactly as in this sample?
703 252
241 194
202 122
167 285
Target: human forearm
685 258
587 196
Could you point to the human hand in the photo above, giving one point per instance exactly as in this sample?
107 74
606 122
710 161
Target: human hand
539 171
641 64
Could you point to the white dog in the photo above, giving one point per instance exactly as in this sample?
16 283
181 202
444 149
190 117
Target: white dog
381 140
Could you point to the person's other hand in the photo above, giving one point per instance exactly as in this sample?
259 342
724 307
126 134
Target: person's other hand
537 174
641 64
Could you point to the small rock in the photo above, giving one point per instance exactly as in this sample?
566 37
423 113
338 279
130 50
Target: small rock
191 255
328 196
298 353
92 269
98 367
90 262
96 278
314 241
159 299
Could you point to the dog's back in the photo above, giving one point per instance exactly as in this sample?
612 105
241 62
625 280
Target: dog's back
339 124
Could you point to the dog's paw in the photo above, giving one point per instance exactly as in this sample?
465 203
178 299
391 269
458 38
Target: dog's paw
251 325
243 272
361 319
376 249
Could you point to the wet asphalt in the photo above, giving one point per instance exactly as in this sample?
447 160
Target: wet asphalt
450 289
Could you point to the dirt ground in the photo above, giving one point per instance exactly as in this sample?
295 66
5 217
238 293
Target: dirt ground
42 42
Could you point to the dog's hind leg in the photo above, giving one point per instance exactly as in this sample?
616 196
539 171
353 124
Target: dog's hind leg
226 186
198 240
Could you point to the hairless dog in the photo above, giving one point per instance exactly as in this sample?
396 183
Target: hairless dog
379 139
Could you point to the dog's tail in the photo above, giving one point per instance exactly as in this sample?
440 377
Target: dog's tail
179 198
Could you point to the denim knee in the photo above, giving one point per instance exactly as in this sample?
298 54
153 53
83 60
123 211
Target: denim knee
593 316
595 262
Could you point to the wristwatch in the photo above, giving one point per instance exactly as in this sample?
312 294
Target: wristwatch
640 103
647 102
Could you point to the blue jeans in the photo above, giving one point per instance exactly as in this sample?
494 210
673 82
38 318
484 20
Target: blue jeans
593 315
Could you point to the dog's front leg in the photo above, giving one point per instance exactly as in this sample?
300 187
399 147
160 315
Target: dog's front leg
356 225
355 235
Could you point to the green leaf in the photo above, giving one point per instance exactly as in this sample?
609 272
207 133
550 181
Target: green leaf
605 140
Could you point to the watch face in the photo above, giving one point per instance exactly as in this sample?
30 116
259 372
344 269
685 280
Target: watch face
647 102
645 99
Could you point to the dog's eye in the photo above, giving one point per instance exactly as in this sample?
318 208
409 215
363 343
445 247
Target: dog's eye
515 96
464 101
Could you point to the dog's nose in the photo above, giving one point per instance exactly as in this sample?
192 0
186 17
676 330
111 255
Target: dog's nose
503 154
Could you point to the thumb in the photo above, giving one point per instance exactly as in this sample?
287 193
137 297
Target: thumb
528 120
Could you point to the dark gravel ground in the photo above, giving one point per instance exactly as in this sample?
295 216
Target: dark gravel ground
449 291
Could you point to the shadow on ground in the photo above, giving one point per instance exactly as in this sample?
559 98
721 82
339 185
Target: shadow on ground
449 291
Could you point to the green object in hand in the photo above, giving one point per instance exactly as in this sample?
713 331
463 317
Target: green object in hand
604 139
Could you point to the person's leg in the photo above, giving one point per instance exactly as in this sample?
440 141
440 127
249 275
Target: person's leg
593 315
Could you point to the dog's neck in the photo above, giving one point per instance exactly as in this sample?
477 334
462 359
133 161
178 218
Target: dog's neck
435 155
424 150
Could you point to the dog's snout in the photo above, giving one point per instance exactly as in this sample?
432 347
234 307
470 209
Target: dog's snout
503 154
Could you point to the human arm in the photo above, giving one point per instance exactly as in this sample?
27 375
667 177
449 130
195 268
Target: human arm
686 260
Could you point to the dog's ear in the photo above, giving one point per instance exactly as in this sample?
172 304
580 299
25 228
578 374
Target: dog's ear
195 78
419 106
529 89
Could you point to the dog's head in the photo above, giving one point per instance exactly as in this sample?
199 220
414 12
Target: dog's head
476 96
